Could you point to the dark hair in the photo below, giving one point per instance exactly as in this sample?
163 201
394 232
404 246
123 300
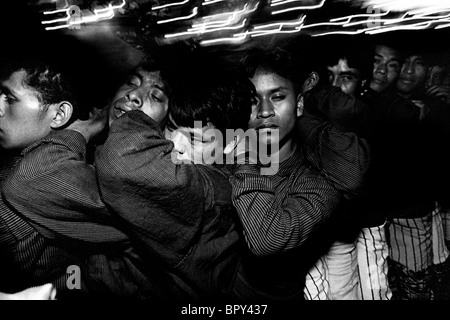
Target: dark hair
356 50
210 90
61 69
276 60
48 79
291 58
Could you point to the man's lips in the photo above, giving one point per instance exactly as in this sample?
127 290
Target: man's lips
119 111
378 81
266 125
406 80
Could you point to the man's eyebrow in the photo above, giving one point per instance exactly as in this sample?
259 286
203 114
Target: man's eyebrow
279 89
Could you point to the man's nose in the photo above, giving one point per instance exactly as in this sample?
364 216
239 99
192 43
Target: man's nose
381 68
265 109
134 97
2 110
336 82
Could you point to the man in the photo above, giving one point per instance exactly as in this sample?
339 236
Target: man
25 117
347 65
417 236
171 195
53 218
357 265
285 215
386 68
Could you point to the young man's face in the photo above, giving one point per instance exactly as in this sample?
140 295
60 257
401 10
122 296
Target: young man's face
145 91
276 108
22 118
413 75
344 77
201 145
386 67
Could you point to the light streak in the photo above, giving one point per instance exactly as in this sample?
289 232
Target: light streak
54 11
338 32
99 14
232 40
215 26
299 8
281 2
60 19
363 15
170 5
210 2
193 14
199 31
257 30
282 24
408 5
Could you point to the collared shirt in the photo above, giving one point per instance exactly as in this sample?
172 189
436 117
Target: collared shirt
281 215
24 252
55 190
180 212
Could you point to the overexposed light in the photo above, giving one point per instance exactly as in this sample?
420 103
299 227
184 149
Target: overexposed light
170 5
300 8
99 14
210 2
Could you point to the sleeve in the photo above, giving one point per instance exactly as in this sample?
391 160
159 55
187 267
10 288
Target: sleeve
341 157
56 191
344 111
161 201
333 129
275 223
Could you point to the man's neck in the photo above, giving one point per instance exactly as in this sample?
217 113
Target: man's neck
286 150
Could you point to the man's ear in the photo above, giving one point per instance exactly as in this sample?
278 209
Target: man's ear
300 104
310 82
62 114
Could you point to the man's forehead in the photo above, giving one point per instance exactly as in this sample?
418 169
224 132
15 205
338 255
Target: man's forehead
342 66
383 50
149 76
16 82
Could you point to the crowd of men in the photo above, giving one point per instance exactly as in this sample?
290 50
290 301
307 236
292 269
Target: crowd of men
332 186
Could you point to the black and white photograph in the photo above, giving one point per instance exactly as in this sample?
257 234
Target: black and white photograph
225 158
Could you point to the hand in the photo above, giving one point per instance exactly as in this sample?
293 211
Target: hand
44 292
440 91
93 126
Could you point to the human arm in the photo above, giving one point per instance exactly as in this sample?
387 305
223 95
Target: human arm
327 131
56 191
275 221
160 201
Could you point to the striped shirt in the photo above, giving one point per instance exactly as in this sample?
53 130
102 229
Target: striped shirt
24 252
180 212
281 215
55 191
288 217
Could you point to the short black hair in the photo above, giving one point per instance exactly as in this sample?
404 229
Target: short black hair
209 89
60 69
